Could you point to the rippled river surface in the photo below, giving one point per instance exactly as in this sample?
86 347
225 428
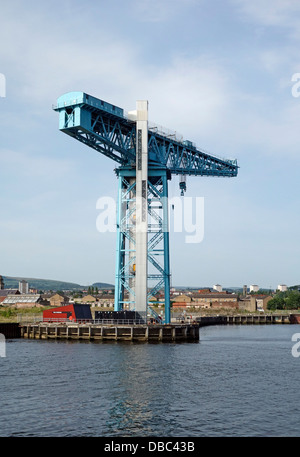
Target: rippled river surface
236 381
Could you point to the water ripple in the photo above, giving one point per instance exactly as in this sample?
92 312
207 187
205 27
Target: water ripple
238 381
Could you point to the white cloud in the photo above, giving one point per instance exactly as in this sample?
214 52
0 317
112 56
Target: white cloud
185 93
271 12
160 11
25 164
272 60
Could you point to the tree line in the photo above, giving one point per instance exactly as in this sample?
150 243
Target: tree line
285 300
93 290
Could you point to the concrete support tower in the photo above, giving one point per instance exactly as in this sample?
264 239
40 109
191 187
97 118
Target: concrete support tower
141 272
140 240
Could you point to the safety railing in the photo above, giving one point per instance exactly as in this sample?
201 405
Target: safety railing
22 319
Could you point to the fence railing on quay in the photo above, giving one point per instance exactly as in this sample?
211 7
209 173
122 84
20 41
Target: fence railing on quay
35 319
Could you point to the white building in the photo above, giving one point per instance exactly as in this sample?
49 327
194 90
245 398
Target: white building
218 287
282 287
23 287
254 288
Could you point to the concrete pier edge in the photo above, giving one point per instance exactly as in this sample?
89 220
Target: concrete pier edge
116 332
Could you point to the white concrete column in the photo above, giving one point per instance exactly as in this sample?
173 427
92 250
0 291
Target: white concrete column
141 205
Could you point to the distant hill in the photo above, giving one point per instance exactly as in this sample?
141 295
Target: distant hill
48 284
103 285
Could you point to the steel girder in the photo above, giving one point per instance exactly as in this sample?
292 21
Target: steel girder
106 129
158 277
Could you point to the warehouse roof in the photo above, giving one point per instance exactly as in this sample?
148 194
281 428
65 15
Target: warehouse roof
5 292
23 298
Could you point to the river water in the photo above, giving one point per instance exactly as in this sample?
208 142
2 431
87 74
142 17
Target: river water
236 381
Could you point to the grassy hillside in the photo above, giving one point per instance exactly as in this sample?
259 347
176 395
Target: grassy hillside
47 284
103 285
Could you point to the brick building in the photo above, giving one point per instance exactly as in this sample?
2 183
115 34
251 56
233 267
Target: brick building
181 301
58 300
215 300
206 300
254 302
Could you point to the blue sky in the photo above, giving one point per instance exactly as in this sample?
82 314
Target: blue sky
218 72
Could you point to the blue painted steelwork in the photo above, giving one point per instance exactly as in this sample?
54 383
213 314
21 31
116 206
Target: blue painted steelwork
120 253
165 228
125 257
158 277
107 129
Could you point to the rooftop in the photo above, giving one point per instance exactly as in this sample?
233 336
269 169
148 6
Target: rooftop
22 298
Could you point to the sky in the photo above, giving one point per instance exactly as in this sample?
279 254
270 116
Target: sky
222 73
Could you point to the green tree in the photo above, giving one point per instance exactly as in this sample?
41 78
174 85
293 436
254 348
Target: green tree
277 302
292 299
285 300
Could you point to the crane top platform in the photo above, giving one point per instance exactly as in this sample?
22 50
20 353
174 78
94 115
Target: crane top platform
111 131
72 99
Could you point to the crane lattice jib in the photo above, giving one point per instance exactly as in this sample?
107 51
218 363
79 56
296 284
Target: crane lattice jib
110 131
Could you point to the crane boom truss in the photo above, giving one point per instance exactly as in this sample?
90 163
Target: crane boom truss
107 129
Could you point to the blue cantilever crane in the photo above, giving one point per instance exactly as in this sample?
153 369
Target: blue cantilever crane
147 158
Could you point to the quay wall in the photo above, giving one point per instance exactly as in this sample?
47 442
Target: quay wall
100 332
10 329
172 332
250 319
